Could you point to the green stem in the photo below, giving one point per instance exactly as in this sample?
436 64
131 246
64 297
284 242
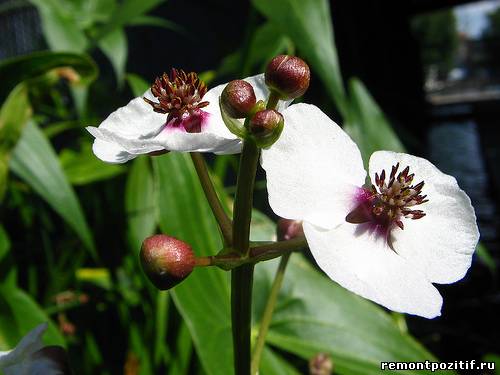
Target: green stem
223 220
268 313
243 201
242 277
256 254
241 313
272 102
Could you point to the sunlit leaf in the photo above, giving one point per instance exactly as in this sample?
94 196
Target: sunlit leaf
315 315
19 314
203 298
14 114
308 24
115 47
367 124
127 12
137 84
35 161
140 203
59 27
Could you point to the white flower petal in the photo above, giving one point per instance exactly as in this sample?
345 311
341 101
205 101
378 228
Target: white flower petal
365 265
441 243
313 170
111 152
136 129
16 361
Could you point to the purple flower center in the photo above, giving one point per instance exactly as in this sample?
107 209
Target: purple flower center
179 95
387 202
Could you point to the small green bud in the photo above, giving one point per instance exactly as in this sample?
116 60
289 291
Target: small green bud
166 260
265 122
289 229
238 99
288 76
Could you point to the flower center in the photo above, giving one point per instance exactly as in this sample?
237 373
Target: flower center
387 202
179 95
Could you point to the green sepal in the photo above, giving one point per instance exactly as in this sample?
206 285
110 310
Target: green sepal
268 141
234 125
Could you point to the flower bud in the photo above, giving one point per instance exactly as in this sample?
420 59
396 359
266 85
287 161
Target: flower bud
265 122
166 260
289 229
288 76
238 99
321 364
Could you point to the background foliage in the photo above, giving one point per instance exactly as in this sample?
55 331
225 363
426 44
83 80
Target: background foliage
71 226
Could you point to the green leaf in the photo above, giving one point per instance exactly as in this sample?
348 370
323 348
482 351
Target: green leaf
308 24
140 202
14 114
273 364
314 315
60 28
145 20
485 257
18 69
83 167
19 314
367 124
115 47
125 13
137 84
203 298
35 161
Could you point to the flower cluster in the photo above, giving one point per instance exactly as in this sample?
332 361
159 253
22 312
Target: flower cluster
387 240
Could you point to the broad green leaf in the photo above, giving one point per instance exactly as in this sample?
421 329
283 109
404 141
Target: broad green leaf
137 84
314 315
35 161
274 364
19 314
308 24
14 114
203 298
367 124
83 167
60 28
140 203
115 47
127 12
18 69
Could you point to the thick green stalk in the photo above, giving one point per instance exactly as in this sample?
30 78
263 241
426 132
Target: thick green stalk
241 313
223 220
243 201
268 313
242 277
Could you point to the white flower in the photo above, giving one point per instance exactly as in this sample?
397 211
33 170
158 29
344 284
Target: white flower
143 126
315 173
31 357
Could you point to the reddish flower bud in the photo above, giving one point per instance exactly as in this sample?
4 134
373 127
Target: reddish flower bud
288 76
238 99
289 229
166 260
263 123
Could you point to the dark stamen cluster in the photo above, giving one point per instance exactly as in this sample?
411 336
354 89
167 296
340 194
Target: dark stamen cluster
178 93
392 200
